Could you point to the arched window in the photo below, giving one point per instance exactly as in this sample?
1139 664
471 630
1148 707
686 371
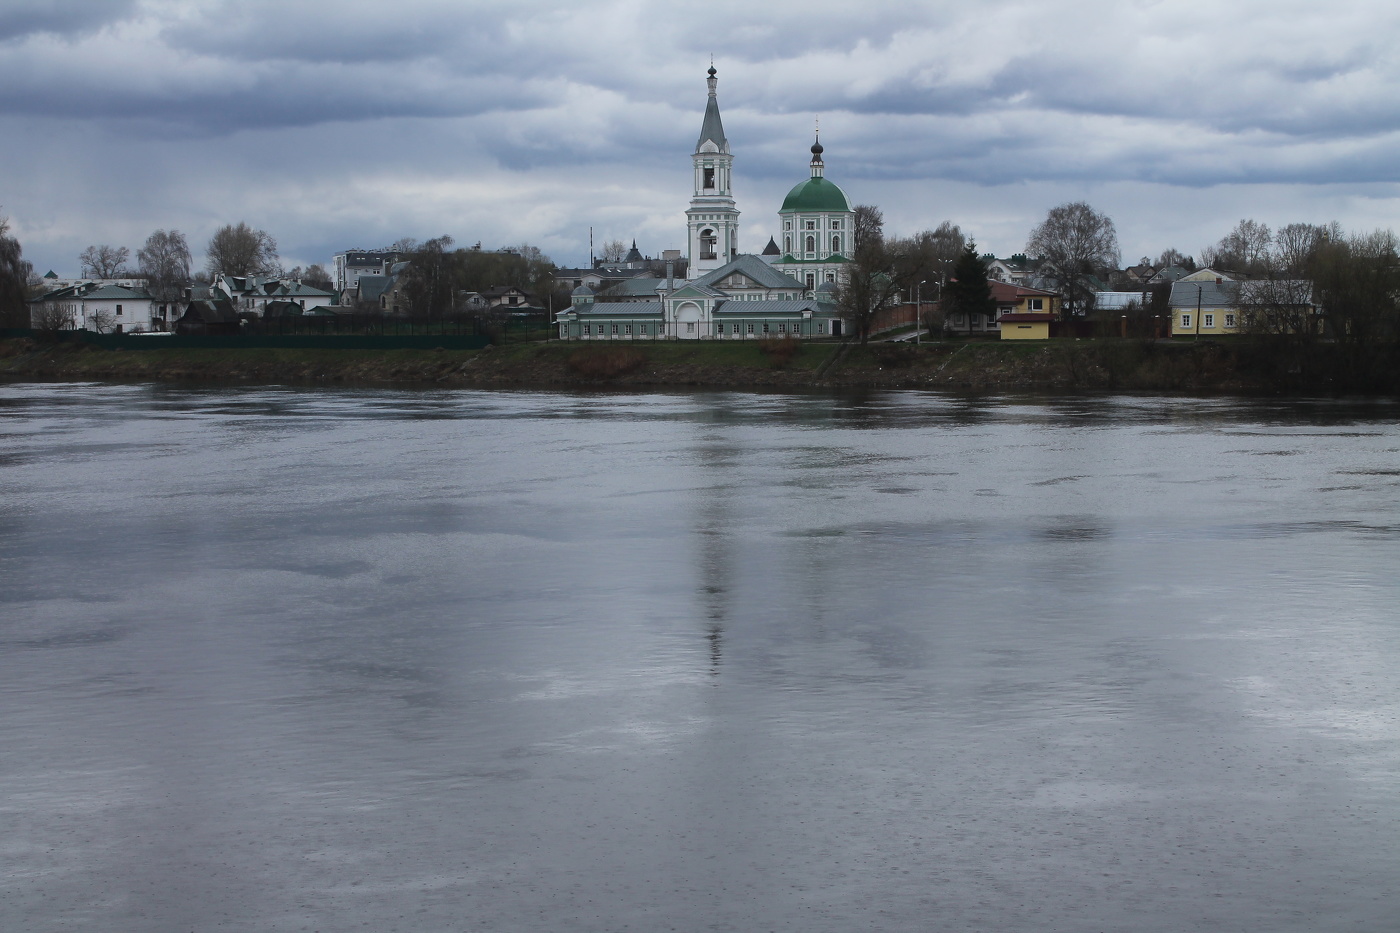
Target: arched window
707 244
836 244
787 244
811 244
811 280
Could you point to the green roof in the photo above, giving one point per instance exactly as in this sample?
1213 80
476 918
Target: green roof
815 194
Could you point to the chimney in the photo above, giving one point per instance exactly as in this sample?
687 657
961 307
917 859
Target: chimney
1219 280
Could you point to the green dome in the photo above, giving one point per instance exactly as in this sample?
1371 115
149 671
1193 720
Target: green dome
815 194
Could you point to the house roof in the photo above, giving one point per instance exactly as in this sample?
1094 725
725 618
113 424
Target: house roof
371 287
1009 292
301 290
755 268
1115 300
117 293
216 311
1205 294
619 309
1168 274
634 287
772 248
766 308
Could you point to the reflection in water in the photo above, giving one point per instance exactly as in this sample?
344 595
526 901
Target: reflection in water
276 659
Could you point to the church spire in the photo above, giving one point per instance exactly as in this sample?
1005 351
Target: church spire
712 129
817 166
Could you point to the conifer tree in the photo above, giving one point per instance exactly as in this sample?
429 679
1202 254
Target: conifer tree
968 292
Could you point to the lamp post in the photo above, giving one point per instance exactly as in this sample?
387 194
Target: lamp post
918 310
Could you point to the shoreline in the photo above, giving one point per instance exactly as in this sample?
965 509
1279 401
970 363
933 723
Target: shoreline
960 365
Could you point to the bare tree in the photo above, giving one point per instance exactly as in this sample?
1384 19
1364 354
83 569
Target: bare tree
241 250
404 245
877 273
613 251
53 316
104 262
165 262
1075 240
429 288
314 275
101 321
1243 249
1174 257
14 277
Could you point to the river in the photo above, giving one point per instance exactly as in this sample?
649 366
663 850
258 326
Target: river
280 659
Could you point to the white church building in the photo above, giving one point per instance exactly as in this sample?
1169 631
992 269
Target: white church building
730 295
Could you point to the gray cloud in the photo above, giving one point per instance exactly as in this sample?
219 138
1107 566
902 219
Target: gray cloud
353 122
65 17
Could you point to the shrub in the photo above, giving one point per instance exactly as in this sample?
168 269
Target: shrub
606 362
895 356
779 350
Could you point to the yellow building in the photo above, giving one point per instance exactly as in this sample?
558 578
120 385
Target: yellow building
1024 313
1205 303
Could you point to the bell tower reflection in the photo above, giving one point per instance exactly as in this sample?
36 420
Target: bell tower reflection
714 517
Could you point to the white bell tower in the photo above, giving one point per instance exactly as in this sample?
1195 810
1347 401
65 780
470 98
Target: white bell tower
713 220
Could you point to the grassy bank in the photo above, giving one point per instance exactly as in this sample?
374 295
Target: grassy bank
1083 364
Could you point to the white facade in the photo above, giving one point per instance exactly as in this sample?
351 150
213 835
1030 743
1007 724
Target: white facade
713 219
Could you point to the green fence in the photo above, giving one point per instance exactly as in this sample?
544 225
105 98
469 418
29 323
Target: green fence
263 341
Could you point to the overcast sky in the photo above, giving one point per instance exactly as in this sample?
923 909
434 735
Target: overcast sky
351 124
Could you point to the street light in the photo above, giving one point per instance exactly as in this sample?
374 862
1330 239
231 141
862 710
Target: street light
918 310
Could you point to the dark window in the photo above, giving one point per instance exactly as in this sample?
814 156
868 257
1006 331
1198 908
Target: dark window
709 178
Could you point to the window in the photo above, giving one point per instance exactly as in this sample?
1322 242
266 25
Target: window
751 328
811 280
787 225
836 225
831 276
1186 320
628 330
690 327
644 330
782 328
119 310
811 225
614 328
709 178
1208 320
765 327
707 244
811 244
787 244
836 244
1035 304
587 329
1229 320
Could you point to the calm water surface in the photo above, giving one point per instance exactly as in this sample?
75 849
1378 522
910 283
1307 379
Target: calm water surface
330 660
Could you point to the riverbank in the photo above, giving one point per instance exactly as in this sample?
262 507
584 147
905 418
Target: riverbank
964 365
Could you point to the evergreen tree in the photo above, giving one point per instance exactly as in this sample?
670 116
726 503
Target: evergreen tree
968 292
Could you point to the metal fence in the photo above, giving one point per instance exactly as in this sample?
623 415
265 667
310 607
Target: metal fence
330 341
